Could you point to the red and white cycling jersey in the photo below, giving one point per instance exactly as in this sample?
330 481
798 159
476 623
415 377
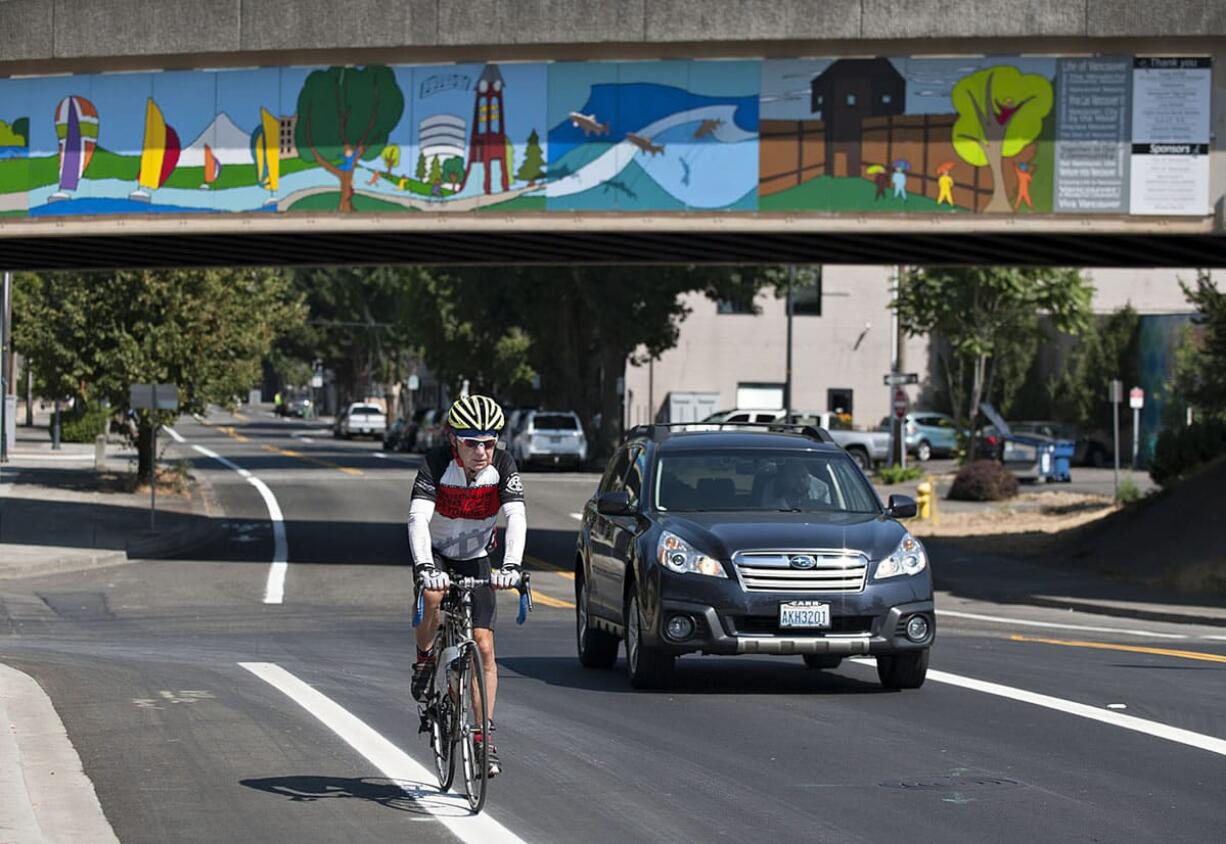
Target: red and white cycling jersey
464 514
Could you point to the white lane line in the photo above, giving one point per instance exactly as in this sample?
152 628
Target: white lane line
1218 638
175 434
451 809
578 516
380 455
274 589
1081 710
1028 623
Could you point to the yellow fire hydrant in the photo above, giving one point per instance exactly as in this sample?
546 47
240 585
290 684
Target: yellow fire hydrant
926 500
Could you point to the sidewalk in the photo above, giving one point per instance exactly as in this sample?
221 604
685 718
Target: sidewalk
58 513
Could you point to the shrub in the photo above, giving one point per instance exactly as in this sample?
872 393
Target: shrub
898 475
983 480
1181 450
83 425
1128 492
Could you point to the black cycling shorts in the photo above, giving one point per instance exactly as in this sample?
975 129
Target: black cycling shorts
485 607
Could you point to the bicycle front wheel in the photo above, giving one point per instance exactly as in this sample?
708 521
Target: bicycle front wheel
442 742
474 720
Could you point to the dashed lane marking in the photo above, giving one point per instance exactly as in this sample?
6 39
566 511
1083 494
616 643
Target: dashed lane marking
1136 649
577 516
1081 710
233 434
407 773
995 619
285 452
174 435
274 588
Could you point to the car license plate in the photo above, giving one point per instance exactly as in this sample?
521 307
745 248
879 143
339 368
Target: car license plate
555 440
804 614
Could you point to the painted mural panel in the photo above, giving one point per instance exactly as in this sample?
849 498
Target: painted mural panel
907 135
658 136
999 135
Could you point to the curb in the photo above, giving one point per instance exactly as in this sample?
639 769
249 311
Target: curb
1124 611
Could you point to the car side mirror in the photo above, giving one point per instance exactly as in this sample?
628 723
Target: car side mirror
614 504
901 507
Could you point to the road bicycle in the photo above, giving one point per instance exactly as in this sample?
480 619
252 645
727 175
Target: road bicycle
453 710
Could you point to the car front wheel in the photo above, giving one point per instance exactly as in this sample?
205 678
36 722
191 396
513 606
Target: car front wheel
646 667
903 671
860 456
597 649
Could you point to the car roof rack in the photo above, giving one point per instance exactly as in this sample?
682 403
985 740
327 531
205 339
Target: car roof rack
660 431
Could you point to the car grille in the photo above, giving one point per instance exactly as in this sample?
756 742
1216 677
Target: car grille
772 571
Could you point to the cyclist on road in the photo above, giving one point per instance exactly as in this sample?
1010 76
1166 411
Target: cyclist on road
459 491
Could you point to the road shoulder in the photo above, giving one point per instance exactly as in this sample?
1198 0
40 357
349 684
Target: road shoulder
44 792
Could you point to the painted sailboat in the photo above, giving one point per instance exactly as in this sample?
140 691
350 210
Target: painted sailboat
160 154
76 128
212 167
266 150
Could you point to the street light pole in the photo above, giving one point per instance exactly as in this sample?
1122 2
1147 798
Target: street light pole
6 356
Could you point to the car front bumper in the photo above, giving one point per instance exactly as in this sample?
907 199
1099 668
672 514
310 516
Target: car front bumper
728 620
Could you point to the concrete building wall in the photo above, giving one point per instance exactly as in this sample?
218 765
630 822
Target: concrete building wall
1148 291
717 351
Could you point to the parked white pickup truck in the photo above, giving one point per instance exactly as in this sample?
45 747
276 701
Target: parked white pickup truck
867 448
360 419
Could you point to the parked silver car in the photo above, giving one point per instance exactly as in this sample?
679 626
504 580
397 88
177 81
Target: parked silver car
549 438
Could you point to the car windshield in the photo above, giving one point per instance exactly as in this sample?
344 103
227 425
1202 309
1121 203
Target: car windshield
366 408
761 480
554 422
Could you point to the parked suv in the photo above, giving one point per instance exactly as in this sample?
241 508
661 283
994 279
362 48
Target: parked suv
748 542
548 437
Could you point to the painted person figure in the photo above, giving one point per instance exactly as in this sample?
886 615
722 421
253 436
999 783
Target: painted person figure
1025 174
348 159
900 183
882 179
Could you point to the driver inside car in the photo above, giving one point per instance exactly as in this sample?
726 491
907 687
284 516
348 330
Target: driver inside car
794 488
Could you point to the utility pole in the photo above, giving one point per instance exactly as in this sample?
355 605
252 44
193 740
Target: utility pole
787 375
6 363
898 445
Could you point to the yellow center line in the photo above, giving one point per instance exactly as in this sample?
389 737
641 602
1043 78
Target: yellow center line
230 432
239 417
537 562
1138 649
549 601
569 575
285 452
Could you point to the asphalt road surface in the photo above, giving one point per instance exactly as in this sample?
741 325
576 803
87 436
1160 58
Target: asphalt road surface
204 713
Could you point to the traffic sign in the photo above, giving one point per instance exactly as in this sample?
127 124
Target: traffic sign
1136 398
414 382
153 397
896 379
900 403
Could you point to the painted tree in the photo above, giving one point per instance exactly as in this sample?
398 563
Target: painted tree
436 171
391 158
453 170
345 115
420 173
510 161
533 166
1000 113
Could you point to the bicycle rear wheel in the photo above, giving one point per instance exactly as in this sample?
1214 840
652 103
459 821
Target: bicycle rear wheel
474 719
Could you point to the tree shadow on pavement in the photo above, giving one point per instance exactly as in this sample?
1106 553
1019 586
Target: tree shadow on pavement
695 676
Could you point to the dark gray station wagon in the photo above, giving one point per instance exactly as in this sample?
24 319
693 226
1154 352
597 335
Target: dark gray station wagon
748 541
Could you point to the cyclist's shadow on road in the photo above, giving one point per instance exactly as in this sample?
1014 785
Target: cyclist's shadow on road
402 796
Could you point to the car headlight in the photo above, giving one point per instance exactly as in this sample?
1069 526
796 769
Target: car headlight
676 555
908 558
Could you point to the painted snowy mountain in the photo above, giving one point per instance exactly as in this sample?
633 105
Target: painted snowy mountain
230 144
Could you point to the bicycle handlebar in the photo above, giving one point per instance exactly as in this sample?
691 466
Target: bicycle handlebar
469 583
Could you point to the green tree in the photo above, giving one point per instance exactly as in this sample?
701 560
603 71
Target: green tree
509 164
984 314
533 166
582 325
1000 113
345 114
1082 392
1200 375
453 170
436 172
93 335
420 173
391 158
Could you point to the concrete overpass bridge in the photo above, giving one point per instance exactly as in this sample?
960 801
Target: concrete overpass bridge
175 132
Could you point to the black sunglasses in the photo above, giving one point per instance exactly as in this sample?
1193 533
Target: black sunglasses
474 443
